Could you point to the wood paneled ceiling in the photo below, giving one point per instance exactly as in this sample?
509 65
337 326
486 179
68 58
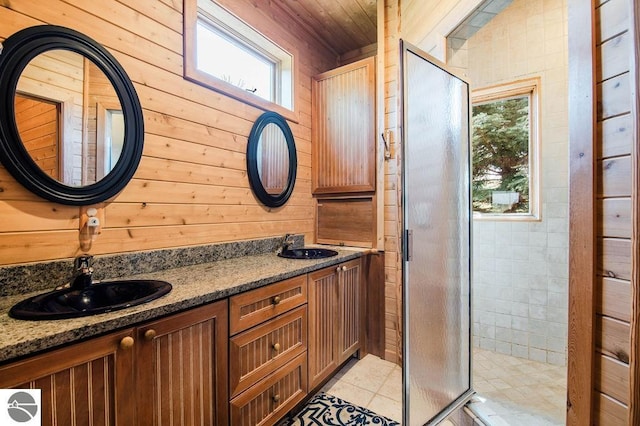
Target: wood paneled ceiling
341 25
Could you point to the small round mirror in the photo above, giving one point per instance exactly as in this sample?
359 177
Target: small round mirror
71 125
271 159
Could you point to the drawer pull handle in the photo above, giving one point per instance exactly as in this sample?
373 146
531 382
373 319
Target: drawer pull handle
276 300
276 347
150 334
127 342
276 398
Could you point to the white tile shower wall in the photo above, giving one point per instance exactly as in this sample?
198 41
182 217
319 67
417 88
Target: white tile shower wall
520 268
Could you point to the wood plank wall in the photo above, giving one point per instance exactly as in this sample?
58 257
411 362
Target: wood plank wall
37 122
615 147
392 186
101 96
191 186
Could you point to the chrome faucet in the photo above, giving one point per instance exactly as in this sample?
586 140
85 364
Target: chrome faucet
83 271
288 242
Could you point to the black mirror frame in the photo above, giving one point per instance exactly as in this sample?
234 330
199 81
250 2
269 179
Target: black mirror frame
252 159
17 51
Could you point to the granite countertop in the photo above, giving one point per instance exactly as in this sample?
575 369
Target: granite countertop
193 286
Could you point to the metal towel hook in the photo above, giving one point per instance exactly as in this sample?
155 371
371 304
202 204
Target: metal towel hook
387 148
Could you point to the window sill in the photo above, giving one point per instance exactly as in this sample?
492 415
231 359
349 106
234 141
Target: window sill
511 217
203 79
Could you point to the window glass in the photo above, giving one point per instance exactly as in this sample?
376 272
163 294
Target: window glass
504 146
226 54
242 66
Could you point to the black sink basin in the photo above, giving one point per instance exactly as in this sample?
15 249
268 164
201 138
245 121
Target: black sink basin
307 253
96 299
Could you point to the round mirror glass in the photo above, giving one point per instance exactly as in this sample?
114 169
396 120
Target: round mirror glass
271 159
71 124
69 117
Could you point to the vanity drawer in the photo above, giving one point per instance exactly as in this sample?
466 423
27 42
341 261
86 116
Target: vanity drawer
263 349
270 399
259 305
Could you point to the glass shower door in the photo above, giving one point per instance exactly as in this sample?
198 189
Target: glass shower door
436 214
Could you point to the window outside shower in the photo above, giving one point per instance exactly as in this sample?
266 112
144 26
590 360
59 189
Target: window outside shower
505 146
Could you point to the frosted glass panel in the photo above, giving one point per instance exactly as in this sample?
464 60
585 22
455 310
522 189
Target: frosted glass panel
436 213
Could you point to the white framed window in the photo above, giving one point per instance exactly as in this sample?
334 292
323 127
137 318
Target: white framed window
228 55
505 151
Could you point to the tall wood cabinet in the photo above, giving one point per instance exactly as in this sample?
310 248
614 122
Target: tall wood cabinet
335 321
344 154
169 372
343 129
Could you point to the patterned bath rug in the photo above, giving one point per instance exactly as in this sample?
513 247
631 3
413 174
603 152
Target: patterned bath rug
328 410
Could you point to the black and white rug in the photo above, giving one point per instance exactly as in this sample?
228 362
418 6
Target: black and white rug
328 410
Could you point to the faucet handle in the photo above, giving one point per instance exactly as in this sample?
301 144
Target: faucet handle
289 238
288 242
83 263
83 275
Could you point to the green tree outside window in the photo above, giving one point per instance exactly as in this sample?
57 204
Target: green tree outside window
500 164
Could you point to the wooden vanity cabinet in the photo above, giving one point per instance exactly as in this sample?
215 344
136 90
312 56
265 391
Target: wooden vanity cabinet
268 352
86 383
246 360
335 320
172 371
181 363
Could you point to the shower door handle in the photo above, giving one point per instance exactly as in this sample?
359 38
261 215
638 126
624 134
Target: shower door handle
408 245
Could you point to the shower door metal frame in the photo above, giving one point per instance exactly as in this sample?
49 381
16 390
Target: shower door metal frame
406 245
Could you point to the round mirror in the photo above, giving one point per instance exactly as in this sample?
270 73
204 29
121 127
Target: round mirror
271 159
71 126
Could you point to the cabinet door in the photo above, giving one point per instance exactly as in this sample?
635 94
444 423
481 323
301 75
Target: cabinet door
349 306
85 383
344 142
182 368
323 315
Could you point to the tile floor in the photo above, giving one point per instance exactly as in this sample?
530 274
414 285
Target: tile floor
517 392
520 391
371 383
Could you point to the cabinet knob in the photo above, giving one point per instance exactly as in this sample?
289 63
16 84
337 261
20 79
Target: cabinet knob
344 268
276 300
276 398
127 342
150 334
338 269
276 347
